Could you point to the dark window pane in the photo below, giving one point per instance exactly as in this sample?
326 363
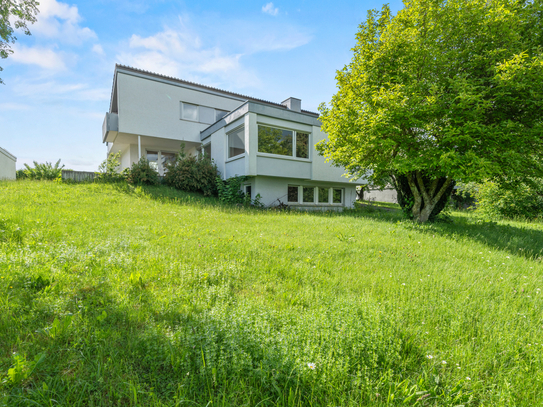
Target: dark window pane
336 195
302 145
274 141
236 143
292 194
248 191
207 150
309 194
323 195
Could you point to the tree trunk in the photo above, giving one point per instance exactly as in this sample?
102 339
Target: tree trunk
421 196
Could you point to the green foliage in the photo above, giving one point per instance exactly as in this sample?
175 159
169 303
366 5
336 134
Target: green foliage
18 13
520 201
448 88
20 174
22 368
192 174
141 173
108 170
229 190
10 232
45 171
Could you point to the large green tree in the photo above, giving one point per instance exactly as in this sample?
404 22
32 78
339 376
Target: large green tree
19 13
444 90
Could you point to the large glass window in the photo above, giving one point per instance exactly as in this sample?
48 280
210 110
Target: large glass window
308 194
236 142
292 194
152 157
274 141
189 112
302 145
166 158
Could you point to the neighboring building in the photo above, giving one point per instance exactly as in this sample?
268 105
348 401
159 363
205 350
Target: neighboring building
388 194
151 115
7 164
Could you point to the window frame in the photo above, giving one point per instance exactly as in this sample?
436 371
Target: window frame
197 112
238 156
160 168
316 202
198 115
294 141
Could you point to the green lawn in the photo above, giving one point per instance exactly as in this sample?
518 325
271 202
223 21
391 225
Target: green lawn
111 295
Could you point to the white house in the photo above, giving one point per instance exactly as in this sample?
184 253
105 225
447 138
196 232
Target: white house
7 164
151 115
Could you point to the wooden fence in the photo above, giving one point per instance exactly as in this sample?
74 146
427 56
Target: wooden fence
77 176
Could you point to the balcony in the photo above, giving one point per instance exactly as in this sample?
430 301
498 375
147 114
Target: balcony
110 127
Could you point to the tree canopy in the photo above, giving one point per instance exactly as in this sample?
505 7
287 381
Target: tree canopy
444 90
18 12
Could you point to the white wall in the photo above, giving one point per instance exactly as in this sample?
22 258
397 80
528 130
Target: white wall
7 164
151 108
274 190
386 195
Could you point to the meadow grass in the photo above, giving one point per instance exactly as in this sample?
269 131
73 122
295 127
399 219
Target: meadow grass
113 295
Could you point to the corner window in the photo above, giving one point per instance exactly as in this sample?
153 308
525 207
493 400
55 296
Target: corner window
207 150
302 145
236 142
292 194
277 141
189 112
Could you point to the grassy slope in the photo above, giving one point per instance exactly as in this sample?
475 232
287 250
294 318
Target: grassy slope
161 297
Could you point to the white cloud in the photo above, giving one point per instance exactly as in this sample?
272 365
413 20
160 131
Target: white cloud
181 53
97 49
269 9
61 21
43 57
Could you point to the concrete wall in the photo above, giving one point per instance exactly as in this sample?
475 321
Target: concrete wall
151 108
7 165
386 195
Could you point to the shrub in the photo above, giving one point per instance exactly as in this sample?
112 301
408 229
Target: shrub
43 171
141 173
108 170
192 174
229 190
20 174
521 201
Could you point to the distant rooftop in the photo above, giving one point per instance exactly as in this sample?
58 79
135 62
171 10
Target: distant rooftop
184 82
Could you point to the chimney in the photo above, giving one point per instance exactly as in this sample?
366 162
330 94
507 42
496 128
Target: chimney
293 104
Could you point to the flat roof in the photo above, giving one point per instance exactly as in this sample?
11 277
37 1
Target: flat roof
128 69
8 154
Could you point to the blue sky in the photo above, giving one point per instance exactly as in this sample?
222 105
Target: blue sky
58 80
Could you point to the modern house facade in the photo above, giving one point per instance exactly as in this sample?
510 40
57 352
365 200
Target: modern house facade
7 165
152 115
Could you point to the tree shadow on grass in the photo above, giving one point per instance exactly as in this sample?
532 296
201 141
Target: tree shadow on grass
520 238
